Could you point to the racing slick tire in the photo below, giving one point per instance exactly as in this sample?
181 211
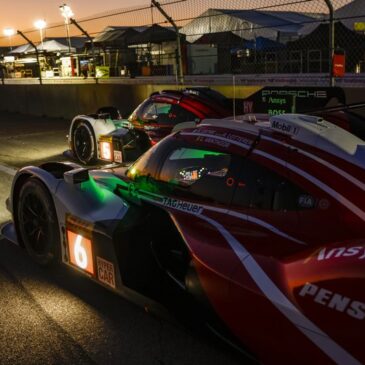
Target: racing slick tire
84 143
37 223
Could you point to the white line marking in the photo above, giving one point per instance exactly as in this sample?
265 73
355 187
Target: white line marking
333 350
336 195
282 303
343 173
8 170
233 213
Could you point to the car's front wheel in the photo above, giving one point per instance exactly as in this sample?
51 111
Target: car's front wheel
83 143
37 223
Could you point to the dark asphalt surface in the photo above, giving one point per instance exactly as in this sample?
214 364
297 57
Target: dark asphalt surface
60 317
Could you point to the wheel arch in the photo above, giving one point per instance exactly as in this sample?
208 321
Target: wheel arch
79 119
45 177
99 126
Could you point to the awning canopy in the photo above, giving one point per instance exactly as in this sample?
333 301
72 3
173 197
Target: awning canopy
116 37
155 34
54 46
49 46
221 38
24 48
319 38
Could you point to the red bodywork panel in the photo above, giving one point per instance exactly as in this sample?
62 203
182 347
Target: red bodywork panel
285 282
201 108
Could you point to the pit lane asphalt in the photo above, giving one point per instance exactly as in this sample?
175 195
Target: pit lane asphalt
60 317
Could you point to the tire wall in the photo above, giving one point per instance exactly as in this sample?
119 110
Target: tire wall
68 100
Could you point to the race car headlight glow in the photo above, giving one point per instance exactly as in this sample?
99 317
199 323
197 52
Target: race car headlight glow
106 151
80 249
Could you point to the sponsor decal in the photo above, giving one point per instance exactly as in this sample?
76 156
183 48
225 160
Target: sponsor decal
217 142
182 205
247 107
309 329
317 94
118 156
306 201
335 301
341 252
324 204
284 127
273 112
105 272
226 135
278 101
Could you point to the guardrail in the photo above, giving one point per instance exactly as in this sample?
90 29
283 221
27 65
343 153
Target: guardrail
315 79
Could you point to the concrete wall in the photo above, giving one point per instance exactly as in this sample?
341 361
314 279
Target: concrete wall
68 100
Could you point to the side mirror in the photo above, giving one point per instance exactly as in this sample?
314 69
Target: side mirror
76 176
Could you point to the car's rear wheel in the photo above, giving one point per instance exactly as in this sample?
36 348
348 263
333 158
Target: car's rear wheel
37 223
83 143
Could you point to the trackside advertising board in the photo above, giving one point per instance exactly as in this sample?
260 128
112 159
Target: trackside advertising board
281 100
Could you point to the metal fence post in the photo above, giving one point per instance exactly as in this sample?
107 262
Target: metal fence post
84 32
179 65
331 40
36 53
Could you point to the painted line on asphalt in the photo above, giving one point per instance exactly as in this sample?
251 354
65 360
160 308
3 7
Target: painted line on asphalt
8 170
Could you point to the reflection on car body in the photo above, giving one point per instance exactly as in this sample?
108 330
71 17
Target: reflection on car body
237 236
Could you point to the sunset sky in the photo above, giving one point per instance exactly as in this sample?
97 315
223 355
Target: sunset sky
21 14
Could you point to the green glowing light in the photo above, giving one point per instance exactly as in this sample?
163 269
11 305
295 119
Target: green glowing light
186 153
92 187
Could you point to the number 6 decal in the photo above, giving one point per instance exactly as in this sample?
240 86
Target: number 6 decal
80 250
80 253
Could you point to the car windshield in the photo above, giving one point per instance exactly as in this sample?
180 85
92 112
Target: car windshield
140 167
185 166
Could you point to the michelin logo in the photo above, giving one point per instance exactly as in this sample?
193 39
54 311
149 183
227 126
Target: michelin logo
182 205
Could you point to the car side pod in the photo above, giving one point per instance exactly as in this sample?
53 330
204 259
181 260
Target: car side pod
76 176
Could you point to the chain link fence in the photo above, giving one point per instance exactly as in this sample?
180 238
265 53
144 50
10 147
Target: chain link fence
217 37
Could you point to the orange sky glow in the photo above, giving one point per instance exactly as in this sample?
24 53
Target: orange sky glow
21 14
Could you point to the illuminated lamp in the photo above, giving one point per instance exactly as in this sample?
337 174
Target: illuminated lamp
40 24
106 151
80 250
9 32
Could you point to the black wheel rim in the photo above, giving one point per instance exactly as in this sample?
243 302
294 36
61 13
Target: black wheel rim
35 222
83 143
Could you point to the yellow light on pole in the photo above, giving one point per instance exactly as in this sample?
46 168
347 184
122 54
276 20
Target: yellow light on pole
40 24
67 14
9 32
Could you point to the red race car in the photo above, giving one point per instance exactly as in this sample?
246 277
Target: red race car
102 135
255 227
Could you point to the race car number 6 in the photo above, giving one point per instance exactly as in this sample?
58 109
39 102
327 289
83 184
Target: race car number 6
80 253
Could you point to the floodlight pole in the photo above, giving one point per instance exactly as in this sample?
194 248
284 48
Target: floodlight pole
84 32
36 53
180 71
331 40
